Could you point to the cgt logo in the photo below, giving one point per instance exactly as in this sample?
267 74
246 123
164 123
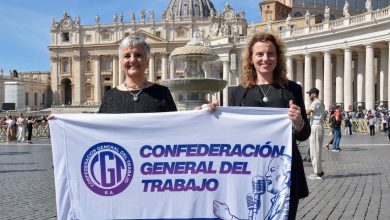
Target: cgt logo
107 169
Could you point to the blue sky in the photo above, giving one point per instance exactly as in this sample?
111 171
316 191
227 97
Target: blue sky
25 24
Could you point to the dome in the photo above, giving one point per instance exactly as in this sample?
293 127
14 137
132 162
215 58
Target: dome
185 8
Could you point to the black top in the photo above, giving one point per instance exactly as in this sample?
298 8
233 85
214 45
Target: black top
279 97
155 98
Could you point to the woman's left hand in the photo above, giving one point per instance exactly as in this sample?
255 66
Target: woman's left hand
294 113
211 107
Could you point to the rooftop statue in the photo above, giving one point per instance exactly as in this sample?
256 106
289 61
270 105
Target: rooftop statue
307 18
368 5
346 9
327 13
97 19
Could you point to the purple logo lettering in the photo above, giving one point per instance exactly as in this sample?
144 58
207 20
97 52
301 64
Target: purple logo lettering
107 169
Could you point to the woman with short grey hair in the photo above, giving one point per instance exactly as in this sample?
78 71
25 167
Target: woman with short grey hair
136 94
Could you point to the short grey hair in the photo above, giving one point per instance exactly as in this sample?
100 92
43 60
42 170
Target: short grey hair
134 40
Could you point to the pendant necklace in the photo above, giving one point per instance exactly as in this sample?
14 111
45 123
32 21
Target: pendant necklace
135 95
265 98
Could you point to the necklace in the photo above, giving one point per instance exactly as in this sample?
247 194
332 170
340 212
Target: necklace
265 98
135 95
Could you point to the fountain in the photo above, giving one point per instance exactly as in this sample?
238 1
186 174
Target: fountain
192 90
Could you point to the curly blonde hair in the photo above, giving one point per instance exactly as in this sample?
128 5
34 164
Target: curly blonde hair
249 76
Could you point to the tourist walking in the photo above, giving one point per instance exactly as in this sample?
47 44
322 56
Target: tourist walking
331 131
347 125
21 123
371 124
30 122
385 118
316 112
336 125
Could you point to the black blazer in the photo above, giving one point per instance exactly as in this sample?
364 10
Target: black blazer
292 91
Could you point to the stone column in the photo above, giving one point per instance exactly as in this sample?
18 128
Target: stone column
348 90
207 69
370 85
225 77
383 74
172 69
339 79
388 74
360 78
290 66
327 79
299 76
152 74
115 73
121 74
54 79
308 78
98 86
77 80
319 81
164 66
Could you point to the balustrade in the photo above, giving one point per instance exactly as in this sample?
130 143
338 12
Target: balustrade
343 22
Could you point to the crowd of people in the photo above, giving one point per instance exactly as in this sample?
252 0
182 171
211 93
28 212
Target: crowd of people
18 127
375 120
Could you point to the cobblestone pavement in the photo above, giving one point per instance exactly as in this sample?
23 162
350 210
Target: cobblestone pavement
26 181
356 183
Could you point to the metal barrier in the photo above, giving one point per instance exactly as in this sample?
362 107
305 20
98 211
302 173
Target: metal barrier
359 125
40 129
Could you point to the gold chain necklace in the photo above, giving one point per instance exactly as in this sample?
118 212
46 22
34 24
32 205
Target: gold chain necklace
135 95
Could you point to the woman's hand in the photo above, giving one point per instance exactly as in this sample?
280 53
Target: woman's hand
294 113
211 107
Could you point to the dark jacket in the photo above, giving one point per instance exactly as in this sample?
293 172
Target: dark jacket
292 91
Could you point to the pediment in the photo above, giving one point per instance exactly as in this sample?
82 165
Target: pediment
150 38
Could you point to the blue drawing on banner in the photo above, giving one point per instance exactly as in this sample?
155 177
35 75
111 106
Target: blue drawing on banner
277 181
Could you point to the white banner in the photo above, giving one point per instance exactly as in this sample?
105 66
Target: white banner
233 163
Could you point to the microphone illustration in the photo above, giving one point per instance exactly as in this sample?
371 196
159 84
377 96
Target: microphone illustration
253 199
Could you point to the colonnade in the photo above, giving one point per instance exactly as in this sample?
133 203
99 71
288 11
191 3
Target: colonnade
353 77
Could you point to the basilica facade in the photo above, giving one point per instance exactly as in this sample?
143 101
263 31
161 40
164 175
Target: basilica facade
346 58
84 58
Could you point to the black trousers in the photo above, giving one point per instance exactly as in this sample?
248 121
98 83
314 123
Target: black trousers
372 130
29 133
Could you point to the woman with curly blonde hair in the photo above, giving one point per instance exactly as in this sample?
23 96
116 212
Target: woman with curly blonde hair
265 84
249 74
